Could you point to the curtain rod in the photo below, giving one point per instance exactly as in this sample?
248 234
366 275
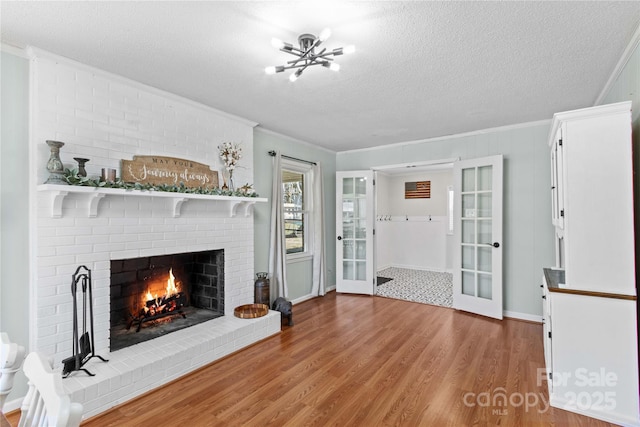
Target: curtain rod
273 153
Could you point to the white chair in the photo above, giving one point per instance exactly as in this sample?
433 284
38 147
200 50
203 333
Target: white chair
11 357
46 404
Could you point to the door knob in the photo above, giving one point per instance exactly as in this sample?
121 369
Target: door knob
494 244
339 237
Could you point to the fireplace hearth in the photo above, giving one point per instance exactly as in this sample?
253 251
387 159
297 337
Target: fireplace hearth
154 296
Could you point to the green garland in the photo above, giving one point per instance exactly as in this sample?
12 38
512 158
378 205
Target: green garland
72 178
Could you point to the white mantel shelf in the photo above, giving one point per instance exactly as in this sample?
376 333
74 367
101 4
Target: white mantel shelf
96 194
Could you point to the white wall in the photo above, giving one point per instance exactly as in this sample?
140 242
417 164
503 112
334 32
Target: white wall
412 233
391 194
416 243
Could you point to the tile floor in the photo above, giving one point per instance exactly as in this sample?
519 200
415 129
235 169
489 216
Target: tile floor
427 287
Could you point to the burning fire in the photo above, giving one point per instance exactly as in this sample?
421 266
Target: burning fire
171 284
170 290
157 306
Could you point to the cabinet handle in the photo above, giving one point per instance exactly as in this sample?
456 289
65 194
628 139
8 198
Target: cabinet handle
544 297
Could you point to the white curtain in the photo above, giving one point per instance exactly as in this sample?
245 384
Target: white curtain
319 269
277 248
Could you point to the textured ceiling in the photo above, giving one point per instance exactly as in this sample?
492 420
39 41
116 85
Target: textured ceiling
421 69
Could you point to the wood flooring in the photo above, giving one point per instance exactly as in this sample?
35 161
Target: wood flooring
365 361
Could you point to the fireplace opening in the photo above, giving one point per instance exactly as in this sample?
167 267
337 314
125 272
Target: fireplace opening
154 296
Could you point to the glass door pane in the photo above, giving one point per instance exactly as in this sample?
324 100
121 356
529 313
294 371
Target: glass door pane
476 208
355 232
478 264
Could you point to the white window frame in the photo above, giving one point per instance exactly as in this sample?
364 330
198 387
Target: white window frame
306 170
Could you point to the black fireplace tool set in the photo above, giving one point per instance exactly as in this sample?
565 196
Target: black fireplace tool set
83 345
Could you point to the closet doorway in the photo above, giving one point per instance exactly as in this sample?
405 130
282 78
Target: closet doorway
414 232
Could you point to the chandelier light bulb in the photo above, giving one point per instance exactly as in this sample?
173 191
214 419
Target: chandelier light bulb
334 67
274 69
293 77
325 34
349 49
277 43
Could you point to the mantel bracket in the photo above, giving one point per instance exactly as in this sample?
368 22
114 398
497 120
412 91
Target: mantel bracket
57 197
177 206
242 206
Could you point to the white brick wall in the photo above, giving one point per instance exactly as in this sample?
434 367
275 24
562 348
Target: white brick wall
106 118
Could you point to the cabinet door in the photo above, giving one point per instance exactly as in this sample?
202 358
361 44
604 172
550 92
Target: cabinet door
598 201
546 331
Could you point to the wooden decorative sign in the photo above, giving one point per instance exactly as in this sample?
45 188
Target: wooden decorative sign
417 190
160 170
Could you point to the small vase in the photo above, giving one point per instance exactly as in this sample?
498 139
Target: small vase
81 170
54 165
230 183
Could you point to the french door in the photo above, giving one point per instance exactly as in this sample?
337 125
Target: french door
354 232
477 278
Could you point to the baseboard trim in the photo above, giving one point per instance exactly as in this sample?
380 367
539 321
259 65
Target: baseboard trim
522 316
302 299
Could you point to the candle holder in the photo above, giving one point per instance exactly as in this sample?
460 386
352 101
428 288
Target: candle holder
108 175
81 170
54 165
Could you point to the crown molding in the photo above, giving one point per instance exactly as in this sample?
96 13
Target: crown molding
453 136
14 50
260 128
626 55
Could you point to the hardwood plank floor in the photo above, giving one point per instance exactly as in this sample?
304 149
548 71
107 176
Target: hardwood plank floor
365 361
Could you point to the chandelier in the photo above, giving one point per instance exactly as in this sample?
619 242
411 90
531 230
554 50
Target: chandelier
306 55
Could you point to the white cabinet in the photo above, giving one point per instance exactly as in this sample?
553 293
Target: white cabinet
589 298
590 350
593 197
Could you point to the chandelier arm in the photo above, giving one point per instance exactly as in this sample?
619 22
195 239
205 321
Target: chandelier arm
302 58
310 56
293 51
309 59
328 56
303 66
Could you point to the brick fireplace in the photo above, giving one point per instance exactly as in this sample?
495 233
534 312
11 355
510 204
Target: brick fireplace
153 296
107 118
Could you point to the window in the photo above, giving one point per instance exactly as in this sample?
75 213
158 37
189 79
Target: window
296 203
